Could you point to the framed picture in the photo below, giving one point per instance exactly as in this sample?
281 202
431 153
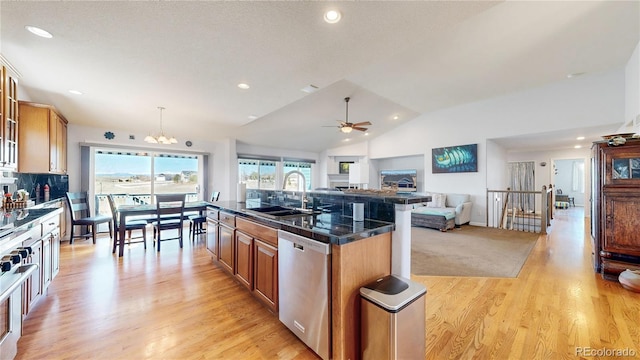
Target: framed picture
343 167
454 159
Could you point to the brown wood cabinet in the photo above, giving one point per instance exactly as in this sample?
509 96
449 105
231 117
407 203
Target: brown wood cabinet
42 139
615 207
8 120
265 281
244 259
257 260
212 233
225 243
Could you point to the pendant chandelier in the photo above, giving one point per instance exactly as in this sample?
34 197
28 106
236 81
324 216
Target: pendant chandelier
162 138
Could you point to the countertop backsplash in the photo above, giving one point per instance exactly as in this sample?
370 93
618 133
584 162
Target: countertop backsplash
58 185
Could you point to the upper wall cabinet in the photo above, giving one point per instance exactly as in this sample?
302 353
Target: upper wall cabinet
8 121
42 140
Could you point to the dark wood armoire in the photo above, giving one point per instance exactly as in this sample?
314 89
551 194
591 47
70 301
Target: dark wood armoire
615 207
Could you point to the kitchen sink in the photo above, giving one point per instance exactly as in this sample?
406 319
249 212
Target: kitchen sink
281 212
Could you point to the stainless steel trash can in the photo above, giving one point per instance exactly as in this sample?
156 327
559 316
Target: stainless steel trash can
393 319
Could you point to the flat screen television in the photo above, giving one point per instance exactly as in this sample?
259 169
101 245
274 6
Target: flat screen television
399 180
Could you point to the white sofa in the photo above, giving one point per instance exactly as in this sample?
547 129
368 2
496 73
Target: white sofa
447 205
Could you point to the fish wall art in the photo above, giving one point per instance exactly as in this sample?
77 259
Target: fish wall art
455 159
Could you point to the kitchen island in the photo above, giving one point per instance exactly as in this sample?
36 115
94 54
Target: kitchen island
361 251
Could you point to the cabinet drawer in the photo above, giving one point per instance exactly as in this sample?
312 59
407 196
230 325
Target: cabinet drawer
50 224
212 214
227 219
259 231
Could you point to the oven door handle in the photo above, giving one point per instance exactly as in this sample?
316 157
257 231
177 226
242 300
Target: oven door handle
24 272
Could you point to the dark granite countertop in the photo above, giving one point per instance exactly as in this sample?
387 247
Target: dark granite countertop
18 220
327 227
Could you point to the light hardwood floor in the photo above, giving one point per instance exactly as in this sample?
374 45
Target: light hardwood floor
177 305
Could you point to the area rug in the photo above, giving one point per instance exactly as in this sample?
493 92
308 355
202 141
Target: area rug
470 251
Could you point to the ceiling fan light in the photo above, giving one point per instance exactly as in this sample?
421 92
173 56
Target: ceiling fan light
163 139
346 129
173 140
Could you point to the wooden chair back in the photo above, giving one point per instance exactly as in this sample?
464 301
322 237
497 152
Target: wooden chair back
170 204
78 204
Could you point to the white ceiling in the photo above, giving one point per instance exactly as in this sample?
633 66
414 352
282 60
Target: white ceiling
392 58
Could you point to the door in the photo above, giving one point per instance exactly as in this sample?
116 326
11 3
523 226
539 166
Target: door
265 280
244 259
226 240
621 222
212 238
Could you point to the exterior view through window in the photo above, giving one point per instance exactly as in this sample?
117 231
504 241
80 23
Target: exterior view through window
294 181
270 174
132 177
258 174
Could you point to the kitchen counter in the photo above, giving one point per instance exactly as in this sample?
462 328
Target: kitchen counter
332 227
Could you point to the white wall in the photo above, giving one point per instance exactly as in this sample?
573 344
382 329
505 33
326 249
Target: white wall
589 100
632 90
397 163
545 175
219 155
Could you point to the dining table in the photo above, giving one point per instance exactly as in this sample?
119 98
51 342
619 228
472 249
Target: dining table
127 210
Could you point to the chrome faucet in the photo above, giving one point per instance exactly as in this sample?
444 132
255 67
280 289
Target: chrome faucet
304 185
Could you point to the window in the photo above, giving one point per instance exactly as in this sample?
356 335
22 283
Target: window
293 181
268 173
257 174
133 177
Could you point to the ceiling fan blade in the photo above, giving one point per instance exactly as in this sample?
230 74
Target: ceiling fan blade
362 123
359 128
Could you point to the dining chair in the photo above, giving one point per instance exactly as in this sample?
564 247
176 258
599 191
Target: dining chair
129 225
170 215
196 222
78 204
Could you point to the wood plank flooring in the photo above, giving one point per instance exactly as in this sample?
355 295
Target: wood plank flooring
178 305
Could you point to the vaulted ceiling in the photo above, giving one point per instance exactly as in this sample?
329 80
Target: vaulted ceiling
396 60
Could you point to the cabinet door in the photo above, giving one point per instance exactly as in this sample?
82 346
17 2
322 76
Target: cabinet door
244 259
53 141
212 238
226 241
621 166
33 285
33 137
55 255
10 136
46 262
62 146
621 223
266 274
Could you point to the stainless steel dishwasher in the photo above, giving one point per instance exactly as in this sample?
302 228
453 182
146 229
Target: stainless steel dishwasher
304 277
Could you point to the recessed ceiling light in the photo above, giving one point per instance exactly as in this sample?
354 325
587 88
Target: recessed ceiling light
580 138
396 117
577 146
75 92
40 32
309 89
243 86
366 134
332 16
576 74
347 139
252 117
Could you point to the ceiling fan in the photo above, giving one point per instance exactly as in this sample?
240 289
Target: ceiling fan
346 127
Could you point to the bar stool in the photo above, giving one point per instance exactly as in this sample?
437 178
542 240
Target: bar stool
196 222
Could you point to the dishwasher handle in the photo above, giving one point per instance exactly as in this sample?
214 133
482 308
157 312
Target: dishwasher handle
301 243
